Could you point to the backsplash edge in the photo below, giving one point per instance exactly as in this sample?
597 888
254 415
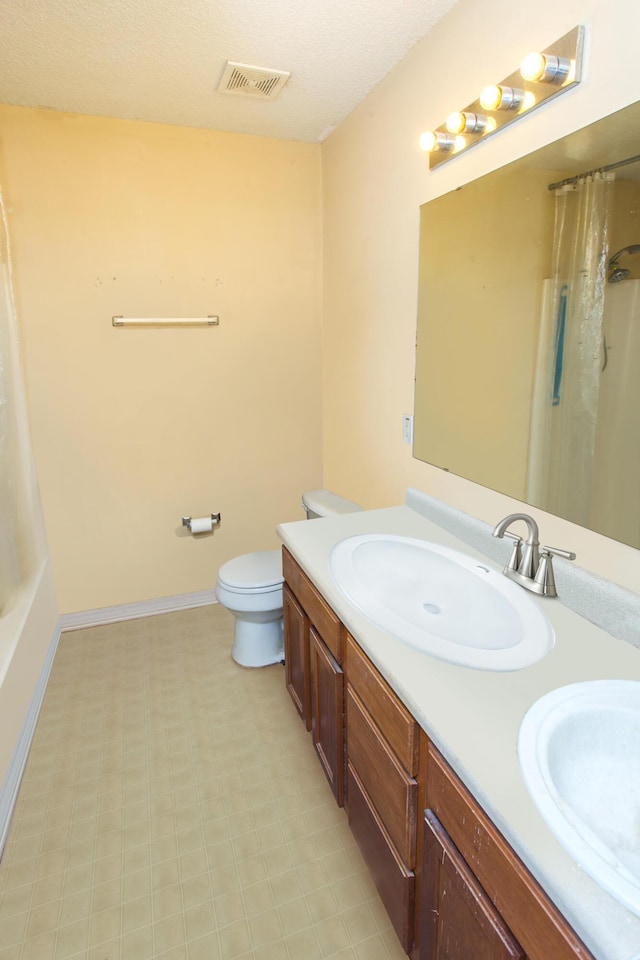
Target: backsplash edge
609 606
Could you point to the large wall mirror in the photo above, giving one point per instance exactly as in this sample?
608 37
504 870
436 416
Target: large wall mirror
528 347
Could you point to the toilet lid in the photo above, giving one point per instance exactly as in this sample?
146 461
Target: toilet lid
253 571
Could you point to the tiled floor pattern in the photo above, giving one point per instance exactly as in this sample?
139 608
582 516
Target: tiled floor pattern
173 808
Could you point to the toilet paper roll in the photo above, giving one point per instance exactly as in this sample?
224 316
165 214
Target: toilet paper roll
201 525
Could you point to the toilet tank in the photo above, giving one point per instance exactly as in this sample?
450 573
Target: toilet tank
324 503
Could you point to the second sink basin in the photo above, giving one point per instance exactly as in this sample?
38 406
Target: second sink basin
579 754
441 601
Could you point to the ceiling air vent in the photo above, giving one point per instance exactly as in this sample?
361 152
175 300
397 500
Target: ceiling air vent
243 80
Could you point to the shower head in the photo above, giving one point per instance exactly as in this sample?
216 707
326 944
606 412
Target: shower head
620 273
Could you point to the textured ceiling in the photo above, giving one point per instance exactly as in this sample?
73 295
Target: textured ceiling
161 60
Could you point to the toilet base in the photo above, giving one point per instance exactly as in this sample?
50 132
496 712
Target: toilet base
258 644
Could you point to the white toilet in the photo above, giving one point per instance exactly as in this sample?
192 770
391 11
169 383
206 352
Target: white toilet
250 587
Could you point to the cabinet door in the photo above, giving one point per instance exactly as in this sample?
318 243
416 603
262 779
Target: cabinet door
458 921
535 920
296 655
393 879
327 713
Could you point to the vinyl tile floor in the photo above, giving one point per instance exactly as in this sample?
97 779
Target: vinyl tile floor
172 807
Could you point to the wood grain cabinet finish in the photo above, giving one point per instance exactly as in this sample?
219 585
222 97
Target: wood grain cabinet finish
393 793
457 919
386 709
315 606
533 919
314 641
382 793
327 713
453 887
394 881
296 655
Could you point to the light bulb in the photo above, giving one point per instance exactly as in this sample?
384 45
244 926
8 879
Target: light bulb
533 66
490 98
466 123
433 140
501 98
427 141
456 122
545 68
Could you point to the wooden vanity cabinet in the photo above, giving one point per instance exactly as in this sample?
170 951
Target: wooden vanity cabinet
477 887
314 644
382 788
452 886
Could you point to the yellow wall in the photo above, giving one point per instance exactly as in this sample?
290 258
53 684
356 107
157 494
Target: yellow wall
625 224
375 178
132 429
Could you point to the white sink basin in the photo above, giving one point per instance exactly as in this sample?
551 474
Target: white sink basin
441 601
579 752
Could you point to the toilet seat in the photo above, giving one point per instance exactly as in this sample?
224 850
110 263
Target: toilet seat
251 588
255 573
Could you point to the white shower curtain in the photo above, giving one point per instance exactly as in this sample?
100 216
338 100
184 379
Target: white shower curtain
615 504
567 378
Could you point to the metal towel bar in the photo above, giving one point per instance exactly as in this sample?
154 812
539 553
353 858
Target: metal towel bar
210 321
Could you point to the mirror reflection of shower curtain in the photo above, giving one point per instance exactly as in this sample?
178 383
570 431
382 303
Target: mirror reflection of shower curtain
615 502
567 375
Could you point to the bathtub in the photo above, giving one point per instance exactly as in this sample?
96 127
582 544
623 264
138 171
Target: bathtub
28 609
29 634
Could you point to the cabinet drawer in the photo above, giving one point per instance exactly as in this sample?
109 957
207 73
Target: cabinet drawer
531 916
391 790
457 918
395 883
316 608
390 714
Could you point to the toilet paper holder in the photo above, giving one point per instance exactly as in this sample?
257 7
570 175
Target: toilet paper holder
186 521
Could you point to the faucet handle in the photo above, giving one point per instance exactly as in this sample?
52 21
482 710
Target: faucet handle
567 554
516 553
544 576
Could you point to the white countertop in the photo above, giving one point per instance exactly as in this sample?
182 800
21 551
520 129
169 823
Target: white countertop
473 716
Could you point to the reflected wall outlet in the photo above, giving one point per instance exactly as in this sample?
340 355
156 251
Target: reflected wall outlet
407 429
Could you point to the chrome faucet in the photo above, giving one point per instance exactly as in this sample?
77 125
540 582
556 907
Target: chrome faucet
529 565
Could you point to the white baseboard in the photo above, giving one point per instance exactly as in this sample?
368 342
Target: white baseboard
13 778
132 611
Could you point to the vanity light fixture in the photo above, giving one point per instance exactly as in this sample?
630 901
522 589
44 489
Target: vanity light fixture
540 77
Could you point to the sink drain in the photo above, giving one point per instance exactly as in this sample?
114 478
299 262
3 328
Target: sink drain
431 608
